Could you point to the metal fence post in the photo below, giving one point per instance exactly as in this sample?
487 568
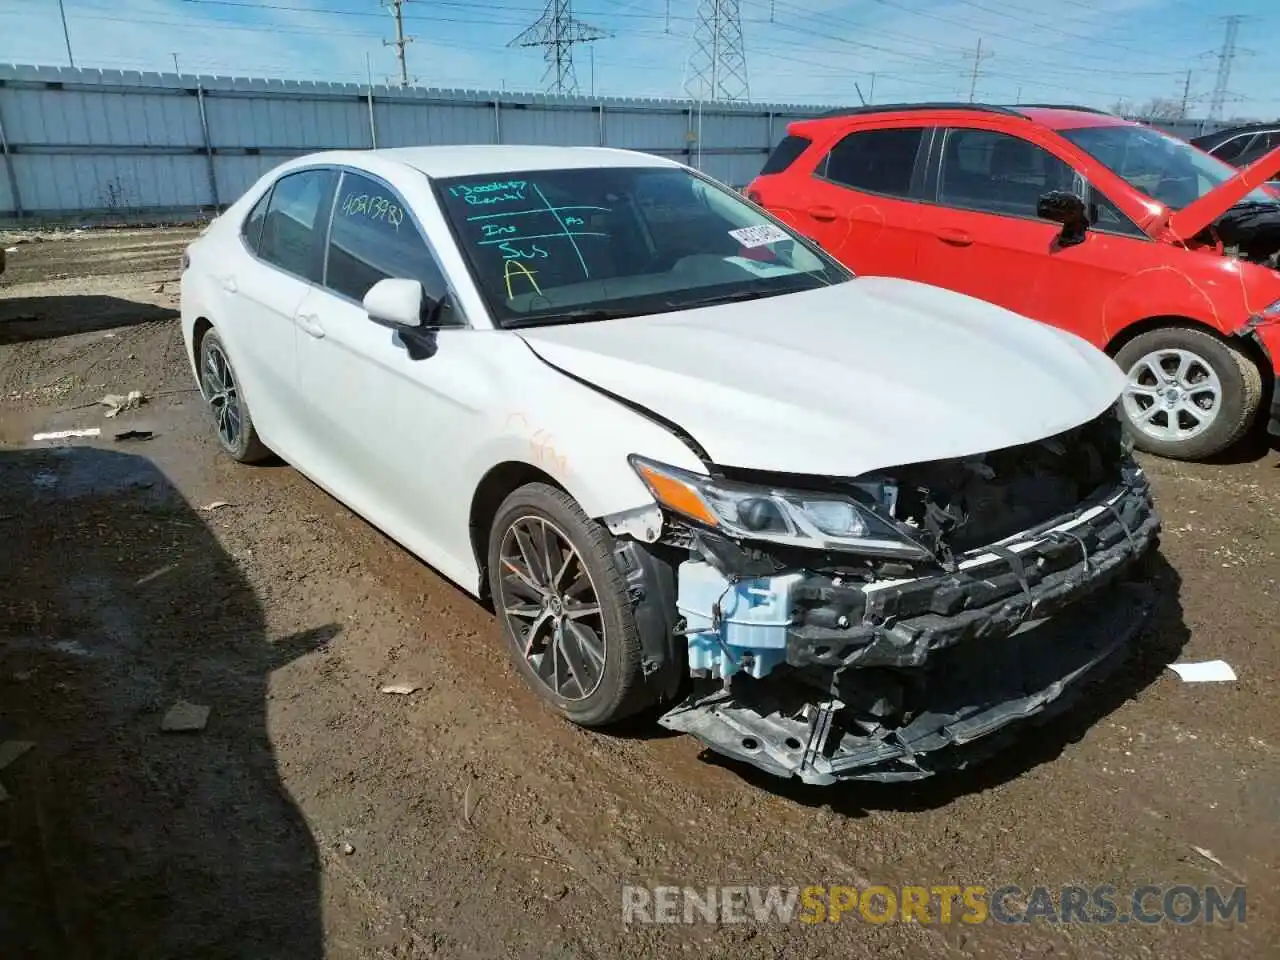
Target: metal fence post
497 121
208 147
9 169
600 107
373 126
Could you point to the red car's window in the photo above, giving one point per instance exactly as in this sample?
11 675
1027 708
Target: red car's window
998 173
875 161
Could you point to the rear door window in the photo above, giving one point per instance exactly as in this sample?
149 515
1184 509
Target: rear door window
998 173
1261 145
296 221
876 161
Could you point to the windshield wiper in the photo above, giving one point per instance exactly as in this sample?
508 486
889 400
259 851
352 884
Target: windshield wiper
586 315
737 297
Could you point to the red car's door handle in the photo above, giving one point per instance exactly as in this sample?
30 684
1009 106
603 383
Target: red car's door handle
823 212
955 237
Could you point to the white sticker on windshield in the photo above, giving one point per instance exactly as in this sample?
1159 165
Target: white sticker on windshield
759 235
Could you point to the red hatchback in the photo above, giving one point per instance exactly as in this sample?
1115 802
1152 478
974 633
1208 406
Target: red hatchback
1130 238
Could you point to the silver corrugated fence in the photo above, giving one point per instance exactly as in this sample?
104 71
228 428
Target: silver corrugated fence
79 142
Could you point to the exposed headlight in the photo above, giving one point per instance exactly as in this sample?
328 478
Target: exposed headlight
798 518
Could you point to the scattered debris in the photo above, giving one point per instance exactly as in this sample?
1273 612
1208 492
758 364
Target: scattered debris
68 434
138 435
216 505
183 717
45 480
466 804
401 689
11 750
154 574
116 404
158 287
1207 672
22 676
72 647
1208 855
347 848
10 249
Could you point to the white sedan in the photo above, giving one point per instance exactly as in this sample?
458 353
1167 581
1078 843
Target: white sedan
836 526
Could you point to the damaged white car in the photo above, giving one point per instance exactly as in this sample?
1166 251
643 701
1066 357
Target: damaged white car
837 527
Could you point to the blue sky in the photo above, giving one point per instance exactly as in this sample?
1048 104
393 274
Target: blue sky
799 51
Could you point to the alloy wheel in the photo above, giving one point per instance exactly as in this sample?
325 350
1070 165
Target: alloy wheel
552 607
1172 394
219 385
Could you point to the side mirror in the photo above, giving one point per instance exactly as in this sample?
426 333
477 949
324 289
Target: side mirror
1067 209
405 307
395 303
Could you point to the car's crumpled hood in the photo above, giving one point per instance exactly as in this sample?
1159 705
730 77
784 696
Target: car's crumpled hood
838 381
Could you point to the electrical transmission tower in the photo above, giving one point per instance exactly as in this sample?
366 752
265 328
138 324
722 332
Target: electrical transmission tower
557 30
1226 58
718 67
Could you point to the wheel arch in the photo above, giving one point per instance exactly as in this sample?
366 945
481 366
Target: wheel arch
1246 344
198 331
495 486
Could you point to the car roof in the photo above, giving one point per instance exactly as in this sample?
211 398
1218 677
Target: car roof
1220 136
1054 116
489 159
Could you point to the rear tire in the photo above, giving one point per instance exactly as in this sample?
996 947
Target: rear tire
549 566
1190 393
233 424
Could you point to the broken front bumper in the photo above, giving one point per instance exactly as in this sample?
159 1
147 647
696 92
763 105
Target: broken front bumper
899 680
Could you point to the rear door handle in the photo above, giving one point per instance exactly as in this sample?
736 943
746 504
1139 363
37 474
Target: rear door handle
955 237
310 324
823 212
228 282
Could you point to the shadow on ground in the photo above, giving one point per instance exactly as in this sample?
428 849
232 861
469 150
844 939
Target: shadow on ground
1034 743
119 840
39 318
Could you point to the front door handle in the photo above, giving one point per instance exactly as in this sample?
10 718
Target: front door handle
955 236
310 324
228 282
823 212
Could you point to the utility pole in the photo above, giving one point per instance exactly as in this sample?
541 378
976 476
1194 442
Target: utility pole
718 66
66 34
175 63
978 57
1226 57
1186 97
871 90
397 11
557 31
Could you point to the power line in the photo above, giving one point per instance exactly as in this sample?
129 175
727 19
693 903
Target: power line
718 66
557 31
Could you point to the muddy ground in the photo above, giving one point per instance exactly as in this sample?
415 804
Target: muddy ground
316 816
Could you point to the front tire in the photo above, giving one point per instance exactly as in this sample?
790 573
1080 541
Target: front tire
1189 394
233 424
563 607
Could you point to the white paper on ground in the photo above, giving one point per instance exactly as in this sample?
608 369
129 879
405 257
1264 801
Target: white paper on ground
67 434
1208 671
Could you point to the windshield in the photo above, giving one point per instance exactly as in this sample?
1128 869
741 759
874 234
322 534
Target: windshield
553 246
1163 167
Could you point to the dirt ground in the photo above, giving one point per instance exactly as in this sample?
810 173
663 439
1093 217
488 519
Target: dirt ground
316 816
